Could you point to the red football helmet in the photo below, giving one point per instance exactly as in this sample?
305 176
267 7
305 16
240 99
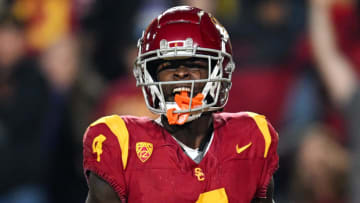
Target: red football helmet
185 32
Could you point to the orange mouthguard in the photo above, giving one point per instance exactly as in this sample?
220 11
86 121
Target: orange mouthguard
183 101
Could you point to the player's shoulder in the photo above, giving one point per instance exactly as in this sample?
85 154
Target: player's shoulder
250 120
248 127
117 121
239 118
127 119
112 133
232 116
115 125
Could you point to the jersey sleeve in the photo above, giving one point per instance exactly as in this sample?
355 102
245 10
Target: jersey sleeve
271 163
105 151
268 153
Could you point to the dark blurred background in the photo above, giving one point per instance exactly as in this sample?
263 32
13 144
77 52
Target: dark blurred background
64 63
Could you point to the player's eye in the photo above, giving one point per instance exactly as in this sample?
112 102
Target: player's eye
166 66
196 66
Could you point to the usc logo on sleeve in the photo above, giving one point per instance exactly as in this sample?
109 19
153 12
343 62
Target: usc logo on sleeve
97 145
118 128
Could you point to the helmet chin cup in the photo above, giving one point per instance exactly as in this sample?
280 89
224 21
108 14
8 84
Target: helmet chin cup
180 33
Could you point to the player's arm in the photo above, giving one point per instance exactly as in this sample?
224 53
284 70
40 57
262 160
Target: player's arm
103 169
269 195
100 191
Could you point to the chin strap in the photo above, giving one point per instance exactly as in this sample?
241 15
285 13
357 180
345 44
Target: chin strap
183 101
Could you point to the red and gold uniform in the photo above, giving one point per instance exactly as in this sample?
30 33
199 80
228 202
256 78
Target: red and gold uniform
143 162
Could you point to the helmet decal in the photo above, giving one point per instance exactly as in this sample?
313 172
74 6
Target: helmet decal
221 28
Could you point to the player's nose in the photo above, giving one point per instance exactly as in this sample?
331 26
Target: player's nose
182 73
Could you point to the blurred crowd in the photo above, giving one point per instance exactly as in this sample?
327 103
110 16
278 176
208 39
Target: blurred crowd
64 63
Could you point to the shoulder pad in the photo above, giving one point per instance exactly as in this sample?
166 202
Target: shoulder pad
118 127
262 124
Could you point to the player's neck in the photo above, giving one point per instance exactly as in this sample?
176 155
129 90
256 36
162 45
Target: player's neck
193 133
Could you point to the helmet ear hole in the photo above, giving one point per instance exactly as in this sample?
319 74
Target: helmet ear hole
224 93
229 68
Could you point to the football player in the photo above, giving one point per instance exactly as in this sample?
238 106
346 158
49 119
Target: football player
193 152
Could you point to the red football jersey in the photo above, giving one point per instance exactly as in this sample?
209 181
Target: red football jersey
143 162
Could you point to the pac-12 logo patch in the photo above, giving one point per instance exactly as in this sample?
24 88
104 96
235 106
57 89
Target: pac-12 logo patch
144 150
